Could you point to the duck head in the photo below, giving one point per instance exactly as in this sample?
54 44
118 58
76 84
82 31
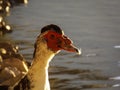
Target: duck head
57 40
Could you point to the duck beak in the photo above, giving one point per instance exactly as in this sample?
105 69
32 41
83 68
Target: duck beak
72 48
66 44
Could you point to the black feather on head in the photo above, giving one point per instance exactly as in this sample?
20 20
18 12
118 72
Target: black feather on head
52 27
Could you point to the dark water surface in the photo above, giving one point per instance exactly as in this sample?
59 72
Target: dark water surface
93 25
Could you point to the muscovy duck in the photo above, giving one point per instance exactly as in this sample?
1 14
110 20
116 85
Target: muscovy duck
51 40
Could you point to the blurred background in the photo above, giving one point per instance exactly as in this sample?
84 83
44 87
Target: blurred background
93 25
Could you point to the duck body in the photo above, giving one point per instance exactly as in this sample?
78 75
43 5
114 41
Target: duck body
12 66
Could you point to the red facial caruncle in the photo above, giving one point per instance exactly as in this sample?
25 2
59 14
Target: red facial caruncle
57 41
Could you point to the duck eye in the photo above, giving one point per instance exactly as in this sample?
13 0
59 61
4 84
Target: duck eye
52 36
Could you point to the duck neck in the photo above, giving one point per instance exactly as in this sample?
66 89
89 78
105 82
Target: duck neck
38 72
